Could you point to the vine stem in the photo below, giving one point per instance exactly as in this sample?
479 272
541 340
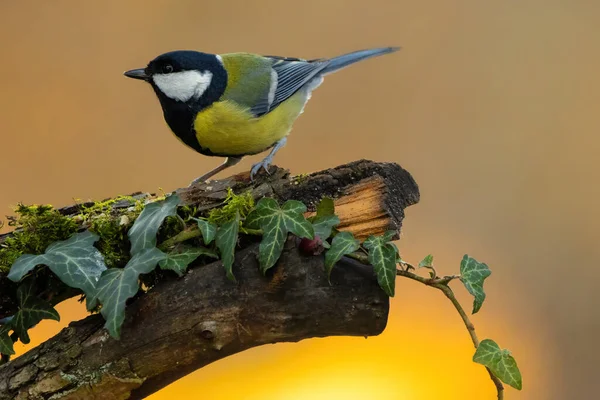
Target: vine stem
194 232
182 236
441 283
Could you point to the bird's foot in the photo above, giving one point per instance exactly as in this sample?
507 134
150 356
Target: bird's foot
197 181
262 164
229 162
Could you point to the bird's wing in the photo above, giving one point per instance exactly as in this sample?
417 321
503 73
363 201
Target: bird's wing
292 74
261 83
248 80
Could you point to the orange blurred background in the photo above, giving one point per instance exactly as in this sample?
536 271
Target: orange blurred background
492 106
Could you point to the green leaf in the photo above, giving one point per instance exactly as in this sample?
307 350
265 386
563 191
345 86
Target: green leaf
325 207
323 225
298 225
371 242
500 362
226 240
276 222
271 245
472 275
262 214
427 262
75 261
398 257
6 343
383 255
387 236
179 261
116 285
294 207
343 243
208 231
142 234
31 311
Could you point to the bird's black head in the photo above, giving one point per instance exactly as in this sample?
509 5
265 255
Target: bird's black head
183 76
185 82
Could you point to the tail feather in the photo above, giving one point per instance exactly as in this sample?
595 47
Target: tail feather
337 63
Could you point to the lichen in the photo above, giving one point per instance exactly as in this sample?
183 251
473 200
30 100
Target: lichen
242 203
36 227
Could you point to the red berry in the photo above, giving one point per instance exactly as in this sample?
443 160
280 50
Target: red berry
311 246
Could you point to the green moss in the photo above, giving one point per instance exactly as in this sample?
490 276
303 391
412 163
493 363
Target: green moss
36 227
100 207
242 203
299 178
112 227
112 243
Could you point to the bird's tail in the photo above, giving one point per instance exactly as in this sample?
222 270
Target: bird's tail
337 63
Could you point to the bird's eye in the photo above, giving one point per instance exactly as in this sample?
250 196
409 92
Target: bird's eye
167 68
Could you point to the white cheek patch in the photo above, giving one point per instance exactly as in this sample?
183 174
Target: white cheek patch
183 86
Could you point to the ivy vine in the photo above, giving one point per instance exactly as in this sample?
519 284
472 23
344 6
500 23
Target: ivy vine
78 263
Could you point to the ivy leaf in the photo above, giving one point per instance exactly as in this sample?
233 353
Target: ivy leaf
292 215
208 231
276 222
142 234
472 275
325 207
323 225
343 243
271 245
31 311
75 261
398 257
226 240
262 213
179 261
500 362
382 255
427 262
116 285
6 343
387 236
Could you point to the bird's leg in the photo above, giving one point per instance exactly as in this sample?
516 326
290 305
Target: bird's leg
229 162
268 159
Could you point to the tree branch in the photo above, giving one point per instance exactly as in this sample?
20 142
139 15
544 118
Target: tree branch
369 197
181 325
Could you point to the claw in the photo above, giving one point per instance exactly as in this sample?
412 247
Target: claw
256 167
268 159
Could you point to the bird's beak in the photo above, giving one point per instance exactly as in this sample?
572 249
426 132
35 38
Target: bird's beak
137 74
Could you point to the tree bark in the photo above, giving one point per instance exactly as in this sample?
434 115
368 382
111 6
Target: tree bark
183 324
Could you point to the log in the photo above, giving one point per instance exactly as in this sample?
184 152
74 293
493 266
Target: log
370 198
183 324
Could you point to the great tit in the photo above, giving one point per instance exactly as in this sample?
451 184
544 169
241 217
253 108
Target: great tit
237 104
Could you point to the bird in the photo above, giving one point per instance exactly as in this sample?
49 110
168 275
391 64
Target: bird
237 104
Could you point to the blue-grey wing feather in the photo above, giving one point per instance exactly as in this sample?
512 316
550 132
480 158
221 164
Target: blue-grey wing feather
292 75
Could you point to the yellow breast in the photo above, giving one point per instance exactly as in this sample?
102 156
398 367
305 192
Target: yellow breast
227 129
